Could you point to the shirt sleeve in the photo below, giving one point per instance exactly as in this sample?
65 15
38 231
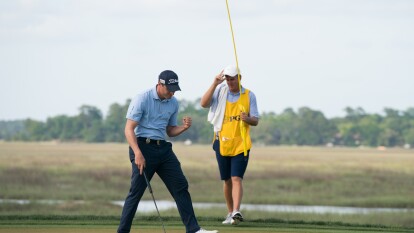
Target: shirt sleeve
173 118
254 111
135 109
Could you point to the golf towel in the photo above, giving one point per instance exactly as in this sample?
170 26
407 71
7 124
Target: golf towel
215 116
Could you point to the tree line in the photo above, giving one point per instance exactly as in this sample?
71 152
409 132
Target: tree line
305 126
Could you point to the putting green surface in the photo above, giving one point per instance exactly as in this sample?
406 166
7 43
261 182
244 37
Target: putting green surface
175 229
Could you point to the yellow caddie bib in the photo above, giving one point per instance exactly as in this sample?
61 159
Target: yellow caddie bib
231 141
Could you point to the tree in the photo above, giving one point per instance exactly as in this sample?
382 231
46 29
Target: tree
314 128
56 126
266 132
90 118
369 129
306 127
393 127
286 127
35 131
354 115
115 122
10 129
201 130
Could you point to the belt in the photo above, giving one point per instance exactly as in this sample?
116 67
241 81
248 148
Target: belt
150 141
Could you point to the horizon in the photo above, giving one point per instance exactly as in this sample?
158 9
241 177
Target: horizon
105 111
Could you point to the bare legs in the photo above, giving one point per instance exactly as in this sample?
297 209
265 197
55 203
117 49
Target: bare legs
233 193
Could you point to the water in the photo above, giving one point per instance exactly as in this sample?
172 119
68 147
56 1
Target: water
146 206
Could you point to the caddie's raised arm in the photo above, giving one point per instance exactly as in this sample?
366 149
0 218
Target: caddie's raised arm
206 99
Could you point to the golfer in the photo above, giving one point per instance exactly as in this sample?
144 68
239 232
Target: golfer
229 109
151 116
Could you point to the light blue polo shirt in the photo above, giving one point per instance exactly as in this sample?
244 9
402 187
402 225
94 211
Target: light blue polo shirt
233 97
152 114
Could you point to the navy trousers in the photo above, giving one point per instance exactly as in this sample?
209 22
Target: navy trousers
159 159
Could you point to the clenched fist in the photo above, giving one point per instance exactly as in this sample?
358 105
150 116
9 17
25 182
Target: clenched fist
187 122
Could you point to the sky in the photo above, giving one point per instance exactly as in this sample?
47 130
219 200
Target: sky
57 55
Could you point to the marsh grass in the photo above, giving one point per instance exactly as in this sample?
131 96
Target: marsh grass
99 173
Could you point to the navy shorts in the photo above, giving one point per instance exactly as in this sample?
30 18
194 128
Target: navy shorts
230 165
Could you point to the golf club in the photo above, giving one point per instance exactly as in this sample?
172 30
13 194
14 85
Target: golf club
153 198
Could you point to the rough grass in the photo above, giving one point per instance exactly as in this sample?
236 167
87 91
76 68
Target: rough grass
98 173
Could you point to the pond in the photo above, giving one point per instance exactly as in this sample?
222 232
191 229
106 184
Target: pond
148 206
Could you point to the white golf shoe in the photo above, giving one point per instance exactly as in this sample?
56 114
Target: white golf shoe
206 231
236 218
228 219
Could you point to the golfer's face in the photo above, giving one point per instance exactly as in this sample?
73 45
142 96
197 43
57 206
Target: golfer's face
165 93
233 83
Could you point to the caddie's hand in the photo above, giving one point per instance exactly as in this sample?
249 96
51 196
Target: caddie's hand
187 122
244 116
219 78
140 162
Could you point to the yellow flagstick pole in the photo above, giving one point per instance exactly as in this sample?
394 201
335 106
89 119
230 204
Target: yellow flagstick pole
242 126
234 44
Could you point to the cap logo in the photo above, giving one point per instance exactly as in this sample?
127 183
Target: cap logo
171 81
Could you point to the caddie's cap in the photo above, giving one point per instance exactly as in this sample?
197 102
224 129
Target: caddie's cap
230 71
170 79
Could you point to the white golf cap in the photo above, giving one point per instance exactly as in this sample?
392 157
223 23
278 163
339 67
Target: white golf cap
230 71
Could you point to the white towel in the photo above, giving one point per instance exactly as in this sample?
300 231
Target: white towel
216 117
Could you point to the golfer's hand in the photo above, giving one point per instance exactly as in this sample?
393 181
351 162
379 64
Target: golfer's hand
219 78
187 122
140 162
244 116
